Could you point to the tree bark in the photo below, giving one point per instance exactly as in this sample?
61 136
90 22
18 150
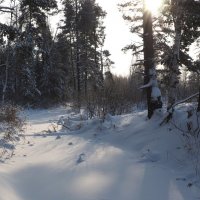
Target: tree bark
148 54
174 64
154 100
174 68
78 78
198 109
72 62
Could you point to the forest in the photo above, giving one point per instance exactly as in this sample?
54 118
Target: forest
61 102
40 67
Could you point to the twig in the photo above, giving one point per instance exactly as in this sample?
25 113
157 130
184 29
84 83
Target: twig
170 110
184 100
66 127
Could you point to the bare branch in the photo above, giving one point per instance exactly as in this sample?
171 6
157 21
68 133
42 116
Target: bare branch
3 65
6 8
184 100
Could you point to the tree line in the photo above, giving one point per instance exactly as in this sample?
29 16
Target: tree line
39 67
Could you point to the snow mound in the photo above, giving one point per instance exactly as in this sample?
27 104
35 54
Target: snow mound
74 122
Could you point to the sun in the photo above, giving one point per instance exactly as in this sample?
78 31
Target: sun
153 5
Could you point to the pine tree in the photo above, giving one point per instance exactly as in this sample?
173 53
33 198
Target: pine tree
32 23
172 24
62 76
153 92
83 26
144 29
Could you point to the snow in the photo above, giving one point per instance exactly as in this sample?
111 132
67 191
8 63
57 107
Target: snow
123 158
156 93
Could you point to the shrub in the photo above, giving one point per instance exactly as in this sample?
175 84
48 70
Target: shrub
116 97
11 123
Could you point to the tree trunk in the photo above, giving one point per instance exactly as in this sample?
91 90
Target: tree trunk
148 54
101 62
154 100
77 56
5 84
198 109
72 63
174 68
174 64
86 71
7 64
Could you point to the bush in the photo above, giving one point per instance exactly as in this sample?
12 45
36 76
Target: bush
11 124
116 97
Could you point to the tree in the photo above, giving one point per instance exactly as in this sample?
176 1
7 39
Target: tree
153 92
173 24
183 17
33 30
84 30
8 34
198 109
144 22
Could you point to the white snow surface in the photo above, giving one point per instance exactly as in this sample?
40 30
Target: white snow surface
123 158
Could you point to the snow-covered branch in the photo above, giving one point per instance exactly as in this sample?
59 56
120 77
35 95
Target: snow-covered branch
153 83
170 110
184 100
149 84
6 9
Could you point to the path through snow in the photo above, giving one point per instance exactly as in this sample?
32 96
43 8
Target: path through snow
125 158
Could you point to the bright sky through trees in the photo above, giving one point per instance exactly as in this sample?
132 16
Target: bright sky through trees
153 5
117 36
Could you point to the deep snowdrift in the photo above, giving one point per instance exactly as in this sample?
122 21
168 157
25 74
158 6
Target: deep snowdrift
123 158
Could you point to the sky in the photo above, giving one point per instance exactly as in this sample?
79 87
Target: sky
117 36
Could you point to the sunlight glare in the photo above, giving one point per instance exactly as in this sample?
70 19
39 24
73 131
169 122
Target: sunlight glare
153 5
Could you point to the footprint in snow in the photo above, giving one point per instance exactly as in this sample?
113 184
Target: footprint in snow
150 157
81 158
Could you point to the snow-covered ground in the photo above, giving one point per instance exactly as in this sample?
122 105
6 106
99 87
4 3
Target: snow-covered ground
124 158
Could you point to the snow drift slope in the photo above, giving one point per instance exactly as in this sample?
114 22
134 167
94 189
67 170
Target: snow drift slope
124 158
